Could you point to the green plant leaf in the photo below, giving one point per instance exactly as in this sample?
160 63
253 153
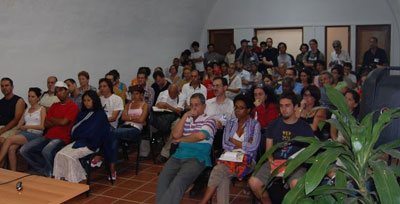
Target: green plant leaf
319 168
295 193
306 200
301 158
338 100
350 167
265 156
391 145
392 152
309 140
328 190
326 199
367 122
386 183
396 170
340 182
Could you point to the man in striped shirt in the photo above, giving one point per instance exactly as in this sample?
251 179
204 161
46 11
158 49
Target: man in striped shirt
195 133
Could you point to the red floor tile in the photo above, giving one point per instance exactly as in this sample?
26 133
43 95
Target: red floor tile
99 188
125 202
142 176
101 200
131 184
151 200
138 196
149 187
117 192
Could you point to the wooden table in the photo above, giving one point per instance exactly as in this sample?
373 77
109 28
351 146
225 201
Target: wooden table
37 189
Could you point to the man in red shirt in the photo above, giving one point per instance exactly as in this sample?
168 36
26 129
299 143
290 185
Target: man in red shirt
41 151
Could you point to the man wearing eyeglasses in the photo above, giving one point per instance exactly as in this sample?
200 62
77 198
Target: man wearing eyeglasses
195 133
220 108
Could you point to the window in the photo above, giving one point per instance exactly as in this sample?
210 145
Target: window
293 37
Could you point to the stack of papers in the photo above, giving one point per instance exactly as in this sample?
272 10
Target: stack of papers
232 156
155 109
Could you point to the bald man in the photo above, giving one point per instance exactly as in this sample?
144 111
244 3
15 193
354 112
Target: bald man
48 97
167 99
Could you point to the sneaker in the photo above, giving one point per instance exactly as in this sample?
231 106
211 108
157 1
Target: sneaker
113 176
95 163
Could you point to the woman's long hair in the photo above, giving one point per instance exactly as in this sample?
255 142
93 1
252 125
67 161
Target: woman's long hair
96 101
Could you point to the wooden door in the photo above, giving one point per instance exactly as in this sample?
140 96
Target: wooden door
221 39
363 35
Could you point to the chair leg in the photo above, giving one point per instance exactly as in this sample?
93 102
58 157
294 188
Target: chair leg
138 155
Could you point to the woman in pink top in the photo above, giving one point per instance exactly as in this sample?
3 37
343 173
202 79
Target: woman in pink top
134 116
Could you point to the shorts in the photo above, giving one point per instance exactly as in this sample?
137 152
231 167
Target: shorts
8 133
264 174
30 135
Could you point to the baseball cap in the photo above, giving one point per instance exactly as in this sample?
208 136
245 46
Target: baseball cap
61 85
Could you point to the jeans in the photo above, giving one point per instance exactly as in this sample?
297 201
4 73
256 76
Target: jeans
40 154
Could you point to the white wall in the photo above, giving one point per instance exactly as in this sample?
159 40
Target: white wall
39 38
313 15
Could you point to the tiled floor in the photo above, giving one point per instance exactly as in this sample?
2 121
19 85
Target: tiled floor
141 188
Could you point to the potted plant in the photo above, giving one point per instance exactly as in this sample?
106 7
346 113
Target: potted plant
361 162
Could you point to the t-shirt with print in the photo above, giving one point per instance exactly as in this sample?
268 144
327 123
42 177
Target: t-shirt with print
111 104
58 111
279 131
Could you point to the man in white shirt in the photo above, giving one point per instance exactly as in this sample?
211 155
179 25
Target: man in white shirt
197 56
338 56
168 112
243 74
165 121
190 88
220 107
234 82
48 97
111 103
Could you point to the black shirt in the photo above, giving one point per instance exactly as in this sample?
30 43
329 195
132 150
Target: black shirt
158 90
279 131
7 109
371 60
271 54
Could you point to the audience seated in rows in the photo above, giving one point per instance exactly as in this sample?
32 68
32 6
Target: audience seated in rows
283 129
40 152
49 97
30 126
241 134
91 130
194 132
83 77
74 93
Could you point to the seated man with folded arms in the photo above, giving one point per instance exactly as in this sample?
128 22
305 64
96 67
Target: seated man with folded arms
11 109
283 129
41 151
194 132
